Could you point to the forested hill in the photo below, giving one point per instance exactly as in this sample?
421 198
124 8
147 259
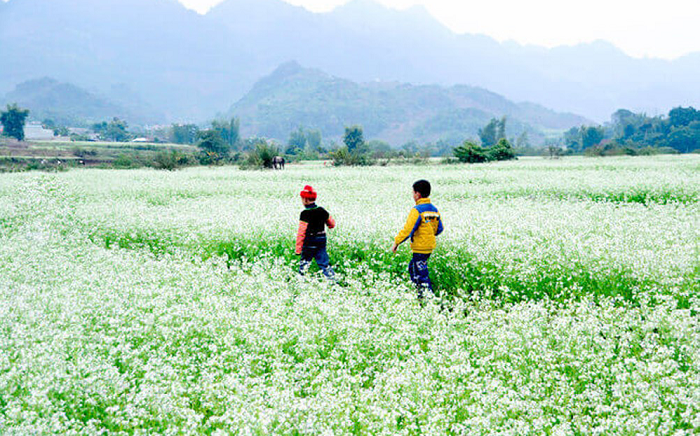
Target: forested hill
70 105
293 96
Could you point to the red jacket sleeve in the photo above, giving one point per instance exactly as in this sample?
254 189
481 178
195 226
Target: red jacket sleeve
301 235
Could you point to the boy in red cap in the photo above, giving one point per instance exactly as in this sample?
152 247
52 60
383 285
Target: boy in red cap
311 236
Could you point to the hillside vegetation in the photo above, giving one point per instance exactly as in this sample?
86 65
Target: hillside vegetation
294 96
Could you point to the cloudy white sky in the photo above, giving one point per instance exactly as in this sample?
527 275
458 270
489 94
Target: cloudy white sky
642 28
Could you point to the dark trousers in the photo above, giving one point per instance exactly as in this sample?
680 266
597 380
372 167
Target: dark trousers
418 270
315 248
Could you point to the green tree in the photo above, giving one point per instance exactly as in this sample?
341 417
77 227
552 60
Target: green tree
314 140
229 130
410 148
681 116
591 136
115 130
48 124
554 151
210 141
118 130
354 138
501 133
184 133
61 131
58 130
634 134
443 147
355 151
684 139
523 140
572 139
297 141
489 135
13 120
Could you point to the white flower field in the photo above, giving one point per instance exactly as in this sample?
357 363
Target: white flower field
148 302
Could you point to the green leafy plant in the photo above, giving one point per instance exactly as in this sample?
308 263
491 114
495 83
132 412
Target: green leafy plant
471 152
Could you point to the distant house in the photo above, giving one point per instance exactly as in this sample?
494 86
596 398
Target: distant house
78 131
140 140
35 132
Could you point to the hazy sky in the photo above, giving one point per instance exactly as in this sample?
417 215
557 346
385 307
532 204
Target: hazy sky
642 28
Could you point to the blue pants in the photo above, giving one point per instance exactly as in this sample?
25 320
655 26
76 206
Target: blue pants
418 270
315 248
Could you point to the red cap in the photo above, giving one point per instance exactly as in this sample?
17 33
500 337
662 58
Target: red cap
308 192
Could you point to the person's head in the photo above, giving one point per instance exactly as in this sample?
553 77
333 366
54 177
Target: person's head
421 189
308 195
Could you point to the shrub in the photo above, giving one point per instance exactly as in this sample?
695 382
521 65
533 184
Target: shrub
260 156
126 161
501 151
74 137
170 161
471 152
345 157
210 158
554 151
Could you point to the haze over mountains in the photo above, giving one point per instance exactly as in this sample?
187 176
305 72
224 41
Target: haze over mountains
70 105
293 96
189 67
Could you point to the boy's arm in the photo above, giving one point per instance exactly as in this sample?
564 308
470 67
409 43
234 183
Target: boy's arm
440 227
412 223
301 235
330 222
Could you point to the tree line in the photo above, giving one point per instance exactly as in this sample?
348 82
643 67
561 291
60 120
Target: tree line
221 141
637 133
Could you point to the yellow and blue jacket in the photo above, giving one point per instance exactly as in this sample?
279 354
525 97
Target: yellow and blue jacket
422 225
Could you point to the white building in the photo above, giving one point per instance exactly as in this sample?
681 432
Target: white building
35 132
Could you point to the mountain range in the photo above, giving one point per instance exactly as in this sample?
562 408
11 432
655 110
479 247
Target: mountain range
189 66
294 96
69 105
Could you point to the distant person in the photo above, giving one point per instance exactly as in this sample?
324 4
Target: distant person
311 237
422 225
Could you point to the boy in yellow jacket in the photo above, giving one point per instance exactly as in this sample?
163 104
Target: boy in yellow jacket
422 226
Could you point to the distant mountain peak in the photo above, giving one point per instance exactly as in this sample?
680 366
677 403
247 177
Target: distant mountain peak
256 7
284 74
363 5
418 9
597 46
375 17
41 81
288 68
